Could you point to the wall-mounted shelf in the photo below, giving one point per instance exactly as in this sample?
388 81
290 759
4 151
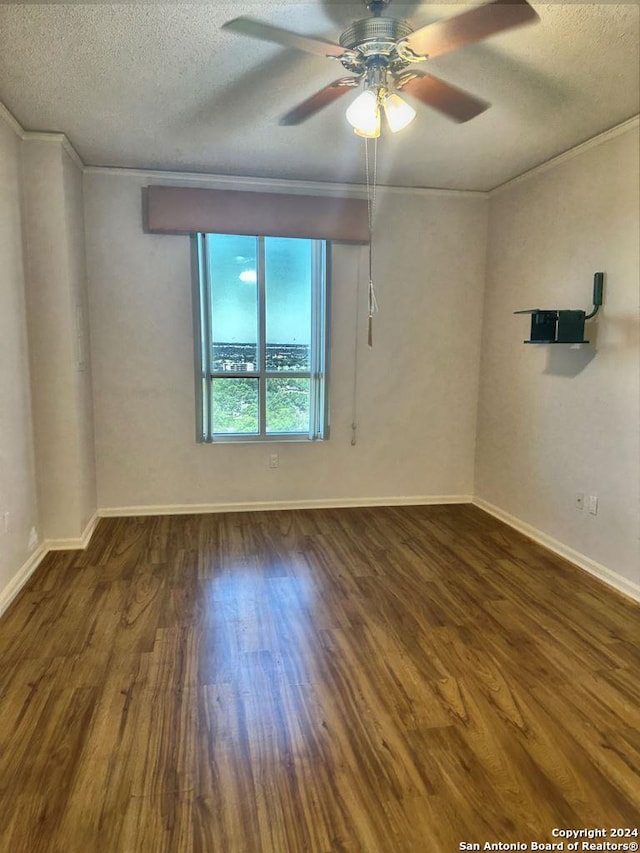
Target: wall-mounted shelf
555 326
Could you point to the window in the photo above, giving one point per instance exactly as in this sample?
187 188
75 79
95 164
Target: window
263 339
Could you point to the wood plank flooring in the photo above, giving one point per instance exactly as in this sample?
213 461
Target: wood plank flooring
383 680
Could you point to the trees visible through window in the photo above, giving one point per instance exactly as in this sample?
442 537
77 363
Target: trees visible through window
263 342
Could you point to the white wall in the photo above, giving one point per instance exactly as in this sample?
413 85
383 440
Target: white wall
56 284
417 389
551 421
72 180
555 421
47 465
18 494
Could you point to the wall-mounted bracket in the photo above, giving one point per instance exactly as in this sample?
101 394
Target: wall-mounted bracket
555 326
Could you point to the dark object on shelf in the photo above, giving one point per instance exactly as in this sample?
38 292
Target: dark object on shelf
563 327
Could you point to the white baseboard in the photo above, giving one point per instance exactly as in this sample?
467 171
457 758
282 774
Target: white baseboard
75 544
608 576
264 506
20 578
24 573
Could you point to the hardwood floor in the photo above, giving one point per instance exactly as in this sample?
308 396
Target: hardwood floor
382 680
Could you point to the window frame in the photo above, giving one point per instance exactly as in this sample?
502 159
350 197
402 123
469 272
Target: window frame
318 373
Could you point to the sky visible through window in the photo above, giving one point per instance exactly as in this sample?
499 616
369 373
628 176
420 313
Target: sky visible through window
234 265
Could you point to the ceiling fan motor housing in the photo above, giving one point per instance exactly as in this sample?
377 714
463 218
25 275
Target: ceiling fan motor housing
374 37
364 34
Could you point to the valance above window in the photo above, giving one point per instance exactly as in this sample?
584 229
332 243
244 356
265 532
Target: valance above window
188 210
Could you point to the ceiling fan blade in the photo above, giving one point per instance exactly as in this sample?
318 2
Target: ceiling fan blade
469 27
449 100
259 30
319 101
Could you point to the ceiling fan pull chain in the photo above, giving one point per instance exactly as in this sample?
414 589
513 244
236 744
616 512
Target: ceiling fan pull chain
373 309
371 198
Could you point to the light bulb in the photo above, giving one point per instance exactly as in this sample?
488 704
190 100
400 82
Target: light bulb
372 134
398 112
364 114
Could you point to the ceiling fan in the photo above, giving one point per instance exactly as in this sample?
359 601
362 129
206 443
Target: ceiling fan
380 51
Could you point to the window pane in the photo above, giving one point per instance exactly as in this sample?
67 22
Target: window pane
233 276
288 405
288 308
235 406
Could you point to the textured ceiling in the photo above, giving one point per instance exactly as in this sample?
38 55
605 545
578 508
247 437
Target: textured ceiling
161 86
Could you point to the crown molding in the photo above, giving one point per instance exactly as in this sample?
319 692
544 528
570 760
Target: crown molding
282 185
40 136
10 120
322 188
59 139
594 142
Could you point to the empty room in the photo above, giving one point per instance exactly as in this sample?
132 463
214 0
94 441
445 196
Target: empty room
319 427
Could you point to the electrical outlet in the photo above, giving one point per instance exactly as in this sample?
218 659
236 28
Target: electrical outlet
579 502
274 460
33 538
5 522
593 504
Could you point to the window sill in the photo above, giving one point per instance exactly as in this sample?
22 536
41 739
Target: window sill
279 439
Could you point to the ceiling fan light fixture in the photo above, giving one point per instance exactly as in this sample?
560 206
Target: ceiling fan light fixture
399 113
371 134
364 114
